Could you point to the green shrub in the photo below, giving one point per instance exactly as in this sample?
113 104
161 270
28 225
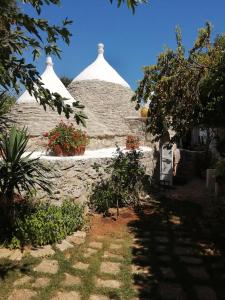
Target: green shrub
123 184
44 223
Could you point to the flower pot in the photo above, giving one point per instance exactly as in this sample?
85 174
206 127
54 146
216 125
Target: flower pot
79 150
132 146
57 150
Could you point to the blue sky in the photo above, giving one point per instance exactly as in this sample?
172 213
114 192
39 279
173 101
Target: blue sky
131 41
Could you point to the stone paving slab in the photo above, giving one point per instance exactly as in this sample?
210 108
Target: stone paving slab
90 252
71 280
95 245
41 282
183 251
47 266
64 245
198 273
4 252
80 234
99 297
206 293
72 295
112 284
162 239
42 251
21 281
191 260
115 247
16 255
171 291
175 220
167 273
161 249
81 266
110 267
164 258
108 254
75 240
22 294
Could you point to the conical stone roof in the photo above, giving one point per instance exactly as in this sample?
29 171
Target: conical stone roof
51 82
101 70
29 113
106 97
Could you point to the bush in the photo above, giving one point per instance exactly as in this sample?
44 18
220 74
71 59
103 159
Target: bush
123 185
44 223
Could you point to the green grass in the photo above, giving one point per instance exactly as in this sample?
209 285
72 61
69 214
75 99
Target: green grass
9 271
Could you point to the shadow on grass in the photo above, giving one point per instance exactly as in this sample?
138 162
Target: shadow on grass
8 267
174 255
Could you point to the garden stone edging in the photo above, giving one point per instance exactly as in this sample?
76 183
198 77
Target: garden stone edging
43 251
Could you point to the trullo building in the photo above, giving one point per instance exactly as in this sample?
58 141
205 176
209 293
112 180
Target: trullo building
104 93
107 99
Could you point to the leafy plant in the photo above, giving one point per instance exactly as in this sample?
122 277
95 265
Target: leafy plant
67 138
185 89
18 171
125 175
43 223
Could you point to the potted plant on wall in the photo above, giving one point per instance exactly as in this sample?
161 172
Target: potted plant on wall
66 140
132 142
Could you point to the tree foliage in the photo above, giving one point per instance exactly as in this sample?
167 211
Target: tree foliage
186 89
132 4
20 32
66 80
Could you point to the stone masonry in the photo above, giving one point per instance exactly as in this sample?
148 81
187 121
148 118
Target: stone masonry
75 179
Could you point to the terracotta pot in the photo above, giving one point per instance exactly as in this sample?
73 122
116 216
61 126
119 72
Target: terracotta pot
133 146
58 150
79 150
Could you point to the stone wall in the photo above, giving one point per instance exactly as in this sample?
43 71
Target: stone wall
74 179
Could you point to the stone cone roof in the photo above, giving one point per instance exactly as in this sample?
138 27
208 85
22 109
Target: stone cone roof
101 70
51 82
106 105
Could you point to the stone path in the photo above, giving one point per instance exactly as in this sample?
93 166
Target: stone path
166 264
48 267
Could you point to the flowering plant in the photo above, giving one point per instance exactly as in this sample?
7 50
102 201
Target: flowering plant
132 142
65 139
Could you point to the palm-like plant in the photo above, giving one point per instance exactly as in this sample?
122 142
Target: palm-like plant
18 171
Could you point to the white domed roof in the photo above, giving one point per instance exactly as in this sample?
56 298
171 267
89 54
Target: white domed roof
51 82
100 69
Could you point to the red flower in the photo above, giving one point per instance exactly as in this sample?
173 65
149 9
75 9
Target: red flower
45 134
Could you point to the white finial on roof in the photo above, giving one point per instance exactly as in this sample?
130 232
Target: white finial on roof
100 48
101 70
51 82
49 61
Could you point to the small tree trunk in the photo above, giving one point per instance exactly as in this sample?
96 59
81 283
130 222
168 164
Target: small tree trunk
117 208
9 209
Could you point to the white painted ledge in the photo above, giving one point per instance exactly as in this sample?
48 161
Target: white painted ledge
89 154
